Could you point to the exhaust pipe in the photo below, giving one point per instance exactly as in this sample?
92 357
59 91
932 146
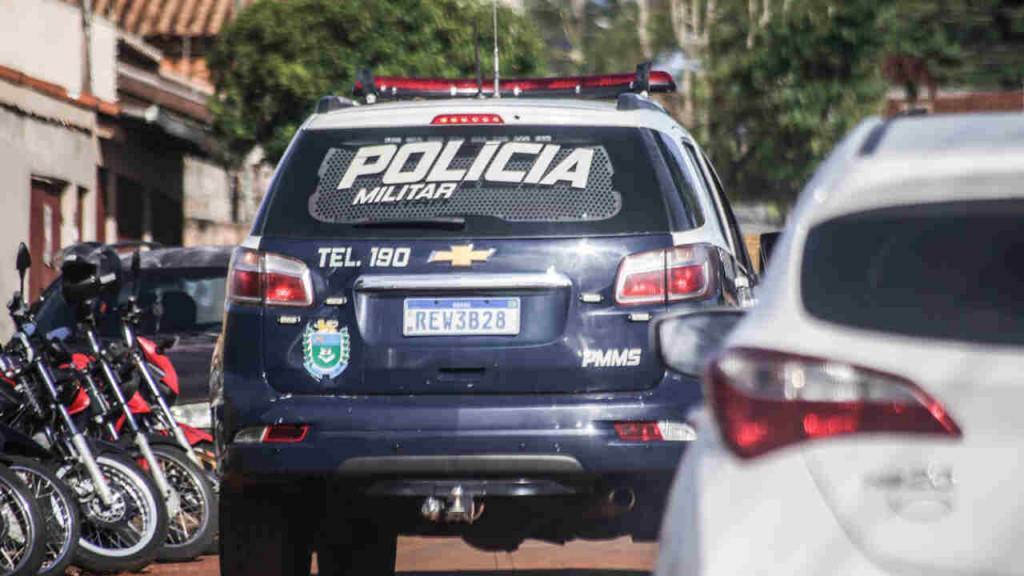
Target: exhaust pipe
616 502
431 509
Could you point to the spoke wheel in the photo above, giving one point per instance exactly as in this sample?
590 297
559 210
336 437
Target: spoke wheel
126 535
21 527
60 512
192 527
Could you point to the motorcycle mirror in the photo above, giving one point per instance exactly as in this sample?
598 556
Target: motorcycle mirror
685 341
23 262
136 266
136 262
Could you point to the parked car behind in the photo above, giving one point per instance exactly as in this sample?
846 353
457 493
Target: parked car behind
185 290
864 418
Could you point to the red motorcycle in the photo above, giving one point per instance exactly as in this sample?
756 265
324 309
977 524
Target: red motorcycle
160 421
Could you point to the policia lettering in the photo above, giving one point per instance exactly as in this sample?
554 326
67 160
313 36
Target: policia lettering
423 171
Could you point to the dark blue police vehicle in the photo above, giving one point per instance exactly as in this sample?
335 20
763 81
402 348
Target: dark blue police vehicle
440 322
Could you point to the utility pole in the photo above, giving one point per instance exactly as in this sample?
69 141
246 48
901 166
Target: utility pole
87 48
497 90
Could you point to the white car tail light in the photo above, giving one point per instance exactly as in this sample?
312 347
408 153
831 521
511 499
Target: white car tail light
263 278
679 273
764 400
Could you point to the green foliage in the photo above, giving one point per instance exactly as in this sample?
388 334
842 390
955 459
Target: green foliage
274 62
966 43
774 110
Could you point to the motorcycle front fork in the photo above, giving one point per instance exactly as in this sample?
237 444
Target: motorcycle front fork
165 410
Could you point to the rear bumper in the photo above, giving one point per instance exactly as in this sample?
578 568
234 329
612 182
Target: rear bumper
527 436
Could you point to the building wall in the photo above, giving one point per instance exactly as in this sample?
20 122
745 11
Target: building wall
46 131
209 211
30 147
44 39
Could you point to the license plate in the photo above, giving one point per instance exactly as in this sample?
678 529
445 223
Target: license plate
461 317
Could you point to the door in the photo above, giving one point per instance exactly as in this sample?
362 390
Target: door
44 234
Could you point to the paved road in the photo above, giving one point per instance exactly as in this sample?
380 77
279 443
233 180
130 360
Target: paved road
417 556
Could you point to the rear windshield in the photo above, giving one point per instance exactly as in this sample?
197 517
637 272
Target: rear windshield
490 180
953 271
175 302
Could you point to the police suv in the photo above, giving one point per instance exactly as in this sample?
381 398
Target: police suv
440 322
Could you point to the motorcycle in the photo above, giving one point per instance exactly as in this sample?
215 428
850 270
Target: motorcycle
123 522
112 373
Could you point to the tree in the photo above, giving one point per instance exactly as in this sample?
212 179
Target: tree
277 59
782 89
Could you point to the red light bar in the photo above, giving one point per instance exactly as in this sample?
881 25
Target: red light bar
467 119
597 86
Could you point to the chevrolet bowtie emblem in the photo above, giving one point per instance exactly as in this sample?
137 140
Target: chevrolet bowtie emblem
461 256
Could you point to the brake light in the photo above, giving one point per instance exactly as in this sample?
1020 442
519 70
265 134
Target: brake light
764 400
674 274
263 278
467 119
285 434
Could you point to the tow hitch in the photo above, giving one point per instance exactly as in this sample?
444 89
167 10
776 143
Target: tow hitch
459 506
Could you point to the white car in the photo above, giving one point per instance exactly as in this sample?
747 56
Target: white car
867 416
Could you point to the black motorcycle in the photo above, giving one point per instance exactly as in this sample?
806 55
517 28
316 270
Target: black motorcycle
123 520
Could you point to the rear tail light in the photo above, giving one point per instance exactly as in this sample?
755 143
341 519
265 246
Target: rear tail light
663 430
256 277
276 434
765 400
679 273
638 431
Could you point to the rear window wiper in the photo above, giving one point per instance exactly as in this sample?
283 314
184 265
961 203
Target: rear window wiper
439 223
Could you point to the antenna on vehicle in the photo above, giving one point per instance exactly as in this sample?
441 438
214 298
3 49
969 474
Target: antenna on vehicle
479 72
497 91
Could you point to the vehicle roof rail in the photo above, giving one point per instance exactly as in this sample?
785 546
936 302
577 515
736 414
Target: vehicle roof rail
631 101
331 103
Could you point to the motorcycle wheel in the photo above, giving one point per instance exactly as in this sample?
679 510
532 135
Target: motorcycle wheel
59 508
22 527
192 526
127 535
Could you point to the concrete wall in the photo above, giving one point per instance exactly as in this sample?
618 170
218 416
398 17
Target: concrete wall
30 147
44 39
208 206
212 216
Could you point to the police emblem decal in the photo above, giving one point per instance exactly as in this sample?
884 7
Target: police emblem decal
325 349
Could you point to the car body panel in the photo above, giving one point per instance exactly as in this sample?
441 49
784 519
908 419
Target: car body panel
556 327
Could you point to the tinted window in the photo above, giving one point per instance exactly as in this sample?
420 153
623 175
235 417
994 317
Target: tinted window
952 271
684 187
186 301
505 181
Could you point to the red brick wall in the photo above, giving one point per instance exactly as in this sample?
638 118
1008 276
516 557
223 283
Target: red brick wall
959 103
